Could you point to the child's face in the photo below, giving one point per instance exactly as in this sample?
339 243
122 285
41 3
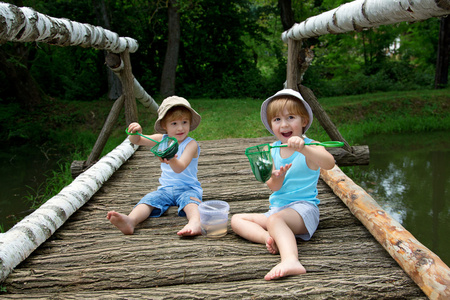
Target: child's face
178 128
286 125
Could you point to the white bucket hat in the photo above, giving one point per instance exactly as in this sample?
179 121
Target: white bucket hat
170 102
285 92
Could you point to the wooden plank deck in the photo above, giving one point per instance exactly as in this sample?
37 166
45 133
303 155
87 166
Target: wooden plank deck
89 258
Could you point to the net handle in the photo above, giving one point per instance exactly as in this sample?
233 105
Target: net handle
137 133
324 144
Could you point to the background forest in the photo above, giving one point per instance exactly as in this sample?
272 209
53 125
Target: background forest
227 49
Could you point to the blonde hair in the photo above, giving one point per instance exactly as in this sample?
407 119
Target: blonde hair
291 104
175 113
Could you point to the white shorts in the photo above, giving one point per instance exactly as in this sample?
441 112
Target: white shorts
309 213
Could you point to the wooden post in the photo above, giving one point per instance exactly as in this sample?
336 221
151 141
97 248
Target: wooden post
292 64
126 76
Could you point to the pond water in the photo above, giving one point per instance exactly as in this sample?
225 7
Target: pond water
22 172
409 177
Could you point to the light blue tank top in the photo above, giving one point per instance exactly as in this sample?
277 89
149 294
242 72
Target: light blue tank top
300 182
188 176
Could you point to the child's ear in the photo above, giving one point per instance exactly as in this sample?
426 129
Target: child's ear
304 122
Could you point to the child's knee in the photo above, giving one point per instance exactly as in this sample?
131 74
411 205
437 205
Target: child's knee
274 219
235 219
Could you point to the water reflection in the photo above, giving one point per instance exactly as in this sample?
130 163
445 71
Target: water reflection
412 183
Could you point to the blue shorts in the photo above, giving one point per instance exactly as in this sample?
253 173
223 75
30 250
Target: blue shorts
309 213
165 197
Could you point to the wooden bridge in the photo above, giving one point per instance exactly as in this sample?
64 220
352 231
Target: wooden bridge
67 249
89 258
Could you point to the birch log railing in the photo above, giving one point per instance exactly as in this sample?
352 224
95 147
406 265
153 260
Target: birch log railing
26 25
23 24
429 272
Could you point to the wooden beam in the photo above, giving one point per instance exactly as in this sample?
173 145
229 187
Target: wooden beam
323 117
359 155
427 270
106 131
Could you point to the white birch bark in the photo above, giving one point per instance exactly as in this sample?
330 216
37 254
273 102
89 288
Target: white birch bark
361 14
139 92
23 24
21 240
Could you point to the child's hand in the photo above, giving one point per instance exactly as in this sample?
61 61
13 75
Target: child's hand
134 127
297 143
281 172
165 160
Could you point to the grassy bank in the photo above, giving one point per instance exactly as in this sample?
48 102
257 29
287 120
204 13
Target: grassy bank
78 123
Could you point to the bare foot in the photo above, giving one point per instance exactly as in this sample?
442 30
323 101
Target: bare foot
285 268
121 221
192 228
271 245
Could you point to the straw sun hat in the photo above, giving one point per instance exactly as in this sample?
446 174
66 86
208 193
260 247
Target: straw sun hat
285 92
170 102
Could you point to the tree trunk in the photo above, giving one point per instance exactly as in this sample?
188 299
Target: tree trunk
173 45
441 78
114 85
286 14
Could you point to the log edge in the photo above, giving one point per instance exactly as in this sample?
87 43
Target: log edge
427 270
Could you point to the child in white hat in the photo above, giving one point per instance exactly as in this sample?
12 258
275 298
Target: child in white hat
179 184
293 211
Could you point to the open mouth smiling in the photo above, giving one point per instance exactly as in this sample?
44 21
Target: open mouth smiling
286 134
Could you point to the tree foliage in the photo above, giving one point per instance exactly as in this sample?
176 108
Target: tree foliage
228 48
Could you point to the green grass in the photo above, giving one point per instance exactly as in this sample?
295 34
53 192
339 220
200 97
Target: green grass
355 116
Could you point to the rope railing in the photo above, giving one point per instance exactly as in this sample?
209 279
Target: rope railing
361 14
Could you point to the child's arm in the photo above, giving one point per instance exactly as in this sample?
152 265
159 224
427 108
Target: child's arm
138 140
275 182
178 165
316 156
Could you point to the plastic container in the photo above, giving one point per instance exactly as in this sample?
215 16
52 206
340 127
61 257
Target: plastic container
214 218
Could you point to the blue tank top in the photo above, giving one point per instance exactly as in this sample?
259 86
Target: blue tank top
300 182
188 176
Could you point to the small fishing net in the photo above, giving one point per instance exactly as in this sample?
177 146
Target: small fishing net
167 148
260 161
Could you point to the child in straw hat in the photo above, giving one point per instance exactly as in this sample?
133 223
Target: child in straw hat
179 184
293 211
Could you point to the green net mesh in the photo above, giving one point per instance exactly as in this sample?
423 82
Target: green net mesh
260 161
167 148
